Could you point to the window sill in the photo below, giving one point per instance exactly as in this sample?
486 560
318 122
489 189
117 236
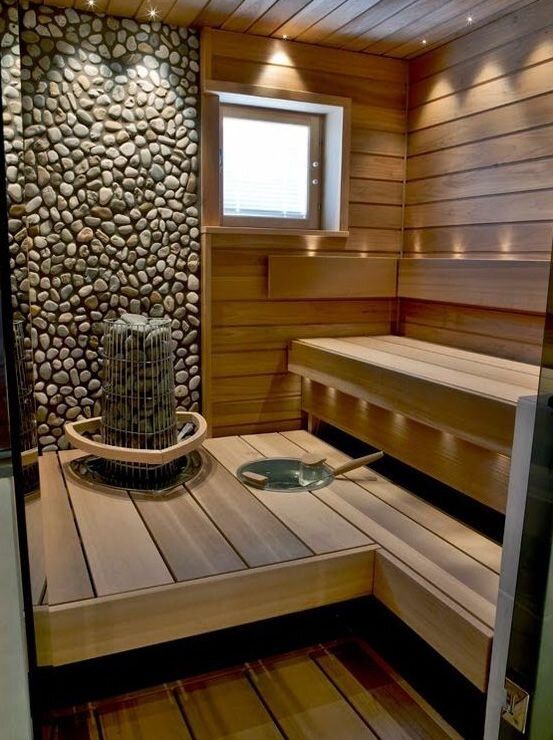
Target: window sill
272 231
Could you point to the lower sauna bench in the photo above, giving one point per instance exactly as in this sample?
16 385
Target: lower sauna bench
126 570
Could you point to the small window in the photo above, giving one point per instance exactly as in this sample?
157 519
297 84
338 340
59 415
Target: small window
271 168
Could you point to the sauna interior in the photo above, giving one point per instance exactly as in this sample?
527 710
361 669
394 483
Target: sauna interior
262 233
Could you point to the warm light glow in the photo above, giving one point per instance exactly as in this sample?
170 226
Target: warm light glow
469 20
280 57
424 42
91 3
285 36
152 13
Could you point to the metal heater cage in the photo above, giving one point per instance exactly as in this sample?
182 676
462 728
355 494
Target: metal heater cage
139 406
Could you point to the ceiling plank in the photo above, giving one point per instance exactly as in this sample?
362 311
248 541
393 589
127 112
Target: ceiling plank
482 13
393 31
337 18
246 14
365 23
392 28
216 12
308 16
278 14
162 8
185 12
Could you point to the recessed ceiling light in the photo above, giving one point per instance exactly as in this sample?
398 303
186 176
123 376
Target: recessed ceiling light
469 19
424 42
152 14
91 3
285 36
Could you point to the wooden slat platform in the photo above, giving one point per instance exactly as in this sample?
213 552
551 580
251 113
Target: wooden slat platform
463 393
216 553
335 690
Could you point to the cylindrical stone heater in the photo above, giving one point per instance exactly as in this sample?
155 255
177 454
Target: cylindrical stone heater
141 442
139 409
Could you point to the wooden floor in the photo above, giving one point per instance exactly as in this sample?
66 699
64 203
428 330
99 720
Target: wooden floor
125 570
339 691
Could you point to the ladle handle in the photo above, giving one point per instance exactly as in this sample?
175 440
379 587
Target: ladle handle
357 463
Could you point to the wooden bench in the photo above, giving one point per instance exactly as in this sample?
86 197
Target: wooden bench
126 570
446 411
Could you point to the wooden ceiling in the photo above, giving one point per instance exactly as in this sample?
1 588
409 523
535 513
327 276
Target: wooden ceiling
397 28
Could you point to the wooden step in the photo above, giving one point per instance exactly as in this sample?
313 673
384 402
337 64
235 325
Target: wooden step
469 395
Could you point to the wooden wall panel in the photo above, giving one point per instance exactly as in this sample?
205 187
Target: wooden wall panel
377 88
247 330
516 336
479 183
249 387
516 285
323 277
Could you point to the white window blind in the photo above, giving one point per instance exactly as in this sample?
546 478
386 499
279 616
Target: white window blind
265 168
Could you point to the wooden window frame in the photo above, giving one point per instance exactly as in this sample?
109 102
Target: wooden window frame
315 122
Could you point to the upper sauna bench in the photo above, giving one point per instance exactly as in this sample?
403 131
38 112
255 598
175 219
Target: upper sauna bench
470 395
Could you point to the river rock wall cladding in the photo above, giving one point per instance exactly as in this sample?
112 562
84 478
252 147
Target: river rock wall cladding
13 150
110 115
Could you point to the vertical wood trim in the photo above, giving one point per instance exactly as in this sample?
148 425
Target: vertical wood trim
346 157
210 161
206 317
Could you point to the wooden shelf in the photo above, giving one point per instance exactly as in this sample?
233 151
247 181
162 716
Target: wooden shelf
141 570
469 395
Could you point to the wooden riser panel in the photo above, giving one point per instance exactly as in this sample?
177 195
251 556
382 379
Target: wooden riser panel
442 456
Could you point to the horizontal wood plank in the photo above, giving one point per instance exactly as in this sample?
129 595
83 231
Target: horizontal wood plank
121 553
491 241
304 702
256 534
226 706
66 567
518 116
312 522
444 457
177 519
508 334
437 397
462 639
101 626
519 285
331 277
451 530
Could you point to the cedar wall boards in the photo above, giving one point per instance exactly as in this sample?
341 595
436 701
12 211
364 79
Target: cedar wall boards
247 328
480 186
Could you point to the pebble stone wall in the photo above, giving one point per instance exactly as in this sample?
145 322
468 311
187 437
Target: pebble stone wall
111 130
13 152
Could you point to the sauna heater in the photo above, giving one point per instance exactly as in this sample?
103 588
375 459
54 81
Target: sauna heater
141 441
